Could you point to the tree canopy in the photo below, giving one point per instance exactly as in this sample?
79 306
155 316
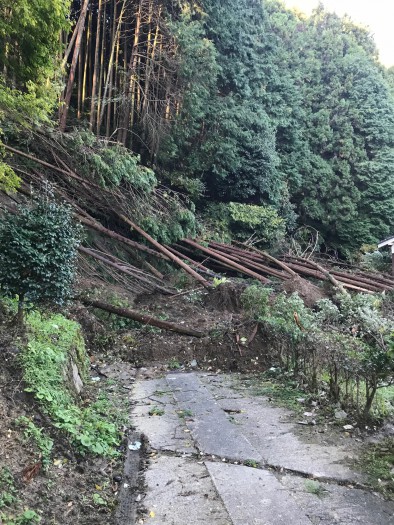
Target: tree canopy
240 101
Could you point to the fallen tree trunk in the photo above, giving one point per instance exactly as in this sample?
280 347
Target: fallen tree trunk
167 252
109 233
142 318
228 261
270 258
243 259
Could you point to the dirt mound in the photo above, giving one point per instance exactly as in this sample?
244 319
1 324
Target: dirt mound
309 293
226 297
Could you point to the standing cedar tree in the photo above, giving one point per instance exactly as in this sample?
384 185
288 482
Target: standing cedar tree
38 248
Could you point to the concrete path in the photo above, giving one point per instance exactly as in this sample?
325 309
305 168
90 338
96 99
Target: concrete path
220 456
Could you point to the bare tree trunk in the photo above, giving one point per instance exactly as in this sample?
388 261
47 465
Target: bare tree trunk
109 79
93 100
102 70
130 80
71 77
143 318
86 62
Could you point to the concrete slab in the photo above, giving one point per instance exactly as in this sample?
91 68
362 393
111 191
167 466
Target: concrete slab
340 505
181 492
166 432
213 433
269 430
255 497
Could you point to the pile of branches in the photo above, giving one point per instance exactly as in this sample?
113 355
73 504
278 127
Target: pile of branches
118 250
261 266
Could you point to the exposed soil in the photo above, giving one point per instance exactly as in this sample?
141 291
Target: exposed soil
309 292
64 492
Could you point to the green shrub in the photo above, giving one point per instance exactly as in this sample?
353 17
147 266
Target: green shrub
225 221
38 248
345 348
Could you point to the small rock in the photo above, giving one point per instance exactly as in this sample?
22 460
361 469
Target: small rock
117 478
301 400
340 414
308 414
193 363
348 427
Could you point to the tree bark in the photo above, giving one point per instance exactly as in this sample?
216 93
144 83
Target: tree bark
93 101
142 318
166 252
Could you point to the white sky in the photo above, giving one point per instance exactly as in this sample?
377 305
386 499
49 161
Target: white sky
377 15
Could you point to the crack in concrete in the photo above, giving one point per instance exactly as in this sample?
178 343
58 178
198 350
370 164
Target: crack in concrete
200 457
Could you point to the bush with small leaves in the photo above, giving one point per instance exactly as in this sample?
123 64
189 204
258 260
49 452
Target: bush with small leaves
38 248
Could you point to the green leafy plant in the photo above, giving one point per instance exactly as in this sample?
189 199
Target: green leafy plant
174 364
51 342
38 253
8 491
99 500
28 517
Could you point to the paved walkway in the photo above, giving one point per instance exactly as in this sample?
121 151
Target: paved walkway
221 457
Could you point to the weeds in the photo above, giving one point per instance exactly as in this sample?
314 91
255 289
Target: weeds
43 443
174 364
51 341
156 411
377 461
314 487
251 463
183 414
28 517
7 489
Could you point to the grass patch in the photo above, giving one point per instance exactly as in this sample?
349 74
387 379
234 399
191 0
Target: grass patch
314 487
156 411
284 393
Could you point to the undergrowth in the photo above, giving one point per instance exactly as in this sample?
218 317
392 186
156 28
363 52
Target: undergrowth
52 341
342 349
41 441
10 513
377 461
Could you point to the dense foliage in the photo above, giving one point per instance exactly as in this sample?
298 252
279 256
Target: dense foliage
38 252
343 348
53 341
239 101
29 59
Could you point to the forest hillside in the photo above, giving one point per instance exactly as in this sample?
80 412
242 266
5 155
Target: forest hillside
187 185
228 103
